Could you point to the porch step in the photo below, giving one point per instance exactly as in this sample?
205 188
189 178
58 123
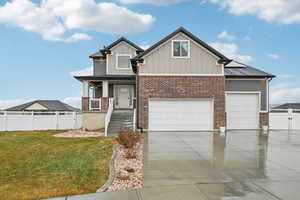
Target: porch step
120 119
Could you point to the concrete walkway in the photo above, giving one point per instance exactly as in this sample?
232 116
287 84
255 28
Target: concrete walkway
244 165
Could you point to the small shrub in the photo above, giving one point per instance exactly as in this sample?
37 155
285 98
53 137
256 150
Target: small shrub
128 139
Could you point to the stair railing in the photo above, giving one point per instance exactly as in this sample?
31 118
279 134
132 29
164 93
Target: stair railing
108 114
134 120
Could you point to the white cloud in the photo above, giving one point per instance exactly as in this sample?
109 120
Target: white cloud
144 46
231 51
281 11
73 101
84 72
273 56
155 2
284 92
4 104
226 36
54 18
78 36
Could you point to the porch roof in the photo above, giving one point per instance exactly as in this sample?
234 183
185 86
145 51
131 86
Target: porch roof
105 77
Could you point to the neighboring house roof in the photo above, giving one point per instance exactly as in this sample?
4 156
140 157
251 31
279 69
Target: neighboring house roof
50 105
100 54
106 77
189 34
236 69
288 106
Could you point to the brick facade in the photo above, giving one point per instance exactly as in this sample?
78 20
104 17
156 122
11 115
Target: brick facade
85 104
264 119
182 87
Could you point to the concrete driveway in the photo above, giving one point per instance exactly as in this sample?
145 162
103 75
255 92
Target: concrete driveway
244 165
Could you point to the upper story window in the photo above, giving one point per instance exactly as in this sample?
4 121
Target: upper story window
123 61
180 48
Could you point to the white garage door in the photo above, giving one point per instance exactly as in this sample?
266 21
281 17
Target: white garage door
242 110
180 115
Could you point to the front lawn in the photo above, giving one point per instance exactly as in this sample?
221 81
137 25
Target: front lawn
35 165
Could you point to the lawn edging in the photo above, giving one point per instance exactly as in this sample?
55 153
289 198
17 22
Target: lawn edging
112 173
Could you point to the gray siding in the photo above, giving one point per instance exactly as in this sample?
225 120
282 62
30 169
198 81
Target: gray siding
99 67
121 48
201 61
249 85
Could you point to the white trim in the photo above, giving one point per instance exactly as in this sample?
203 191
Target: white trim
245 79
107 63
267 97
150 74
181 57
117 64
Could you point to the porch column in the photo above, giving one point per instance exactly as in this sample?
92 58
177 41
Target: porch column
104 88
85 96
104 99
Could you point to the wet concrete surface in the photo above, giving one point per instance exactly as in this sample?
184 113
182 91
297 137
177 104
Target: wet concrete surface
240 165
243 165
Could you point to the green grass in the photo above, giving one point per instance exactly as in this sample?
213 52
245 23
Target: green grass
35 165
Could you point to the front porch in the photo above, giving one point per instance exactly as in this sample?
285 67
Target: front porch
96 95
102 95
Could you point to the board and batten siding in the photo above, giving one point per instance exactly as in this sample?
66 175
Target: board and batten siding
121 48
99 67
160 61
249 86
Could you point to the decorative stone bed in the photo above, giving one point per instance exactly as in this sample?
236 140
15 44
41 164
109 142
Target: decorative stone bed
79 134
119 164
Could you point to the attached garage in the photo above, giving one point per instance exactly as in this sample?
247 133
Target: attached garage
181 114
242 110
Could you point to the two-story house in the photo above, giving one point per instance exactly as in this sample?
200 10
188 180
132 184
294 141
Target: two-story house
178 84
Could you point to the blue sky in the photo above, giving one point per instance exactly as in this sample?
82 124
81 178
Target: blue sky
43 42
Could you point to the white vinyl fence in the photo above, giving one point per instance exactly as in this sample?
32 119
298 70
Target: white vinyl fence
26 121
285 119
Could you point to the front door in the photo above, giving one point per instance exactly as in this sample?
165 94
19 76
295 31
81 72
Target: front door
123 96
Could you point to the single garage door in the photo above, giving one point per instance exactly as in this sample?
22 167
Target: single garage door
242 110
180 115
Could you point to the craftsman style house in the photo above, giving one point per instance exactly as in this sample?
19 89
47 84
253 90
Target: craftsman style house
178 84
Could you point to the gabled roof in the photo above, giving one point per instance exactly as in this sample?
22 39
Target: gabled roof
189 34
288 106
106 50
51 105
236 69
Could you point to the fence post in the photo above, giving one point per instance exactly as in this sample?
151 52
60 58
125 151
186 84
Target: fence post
5 120
74 120
56 115
32 119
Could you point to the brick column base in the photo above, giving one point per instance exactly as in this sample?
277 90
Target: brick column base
85 104
104 103
264 119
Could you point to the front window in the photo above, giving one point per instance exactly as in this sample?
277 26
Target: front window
123 61
181 48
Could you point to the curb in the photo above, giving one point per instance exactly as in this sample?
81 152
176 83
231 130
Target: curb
112 173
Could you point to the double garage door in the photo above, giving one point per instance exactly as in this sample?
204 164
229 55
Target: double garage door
180 114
